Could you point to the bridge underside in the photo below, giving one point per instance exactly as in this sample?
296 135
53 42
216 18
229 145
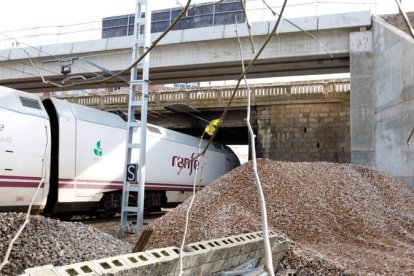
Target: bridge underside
233 132
204 72
225 135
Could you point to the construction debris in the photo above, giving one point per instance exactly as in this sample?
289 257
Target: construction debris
342 218
49 241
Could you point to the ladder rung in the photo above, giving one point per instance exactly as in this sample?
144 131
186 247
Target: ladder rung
134 124
134 145
130 209
138 81
135 103
131 189
140 42
141 20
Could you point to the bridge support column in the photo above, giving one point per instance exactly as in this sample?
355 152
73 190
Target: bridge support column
362 110
394 101
382 100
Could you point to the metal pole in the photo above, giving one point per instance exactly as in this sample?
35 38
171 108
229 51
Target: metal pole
144 111
131 115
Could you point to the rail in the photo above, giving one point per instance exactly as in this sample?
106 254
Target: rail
216 95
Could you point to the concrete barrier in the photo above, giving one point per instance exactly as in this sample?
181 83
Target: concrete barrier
199 258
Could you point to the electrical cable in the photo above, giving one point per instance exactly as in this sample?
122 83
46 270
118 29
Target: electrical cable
183 12
41 76
299 28
43 51
50 26
27 219
187 215
249 27
265 226
97 75
29 46
250 65
51 34
404 14
147 51
25 64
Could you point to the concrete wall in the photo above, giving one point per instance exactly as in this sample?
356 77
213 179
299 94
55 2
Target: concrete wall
393 100
311 131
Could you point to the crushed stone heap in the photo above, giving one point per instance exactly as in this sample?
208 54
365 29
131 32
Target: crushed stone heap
49 241
341 218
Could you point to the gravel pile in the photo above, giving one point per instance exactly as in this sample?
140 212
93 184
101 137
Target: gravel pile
48 241
342 218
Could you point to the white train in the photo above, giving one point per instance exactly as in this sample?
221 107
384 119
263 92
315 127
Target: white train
82 152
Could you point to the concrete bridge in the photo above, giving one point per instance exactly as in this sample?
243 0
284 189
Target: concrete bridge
297 121
379 57
209 53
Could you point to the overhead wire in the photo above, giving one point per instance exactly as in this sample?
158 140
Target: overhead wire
187 215
43 78
25 64
50 26
240 78
51 34
249 27
404 14
183 12
299 28
147 51
97 75
42 51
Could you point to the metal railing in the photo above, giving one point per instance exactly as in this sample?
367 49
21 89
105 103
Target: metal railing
218 95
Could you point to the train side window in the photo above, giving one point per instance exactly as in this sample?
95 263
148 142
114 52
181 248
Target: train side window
28 102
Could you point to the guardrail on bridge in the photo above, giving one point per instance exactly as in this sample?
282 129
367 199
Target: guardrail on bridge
216 96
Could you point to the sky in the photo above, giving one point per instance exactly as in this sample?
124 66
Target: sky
32 13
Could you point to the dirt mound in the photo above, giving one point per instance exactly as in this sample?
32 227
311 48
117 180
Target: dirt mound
341 217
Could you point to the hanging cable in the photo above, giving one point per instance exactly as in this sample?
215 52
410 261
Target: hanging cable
57 84
265 227
154 43
26 221
233 94
43 51
24 64
249 27
187 216
299 28
50 34
50 26
404 14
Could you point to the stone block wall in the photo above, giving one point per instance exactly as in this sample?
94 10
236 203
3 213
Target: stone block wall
305 131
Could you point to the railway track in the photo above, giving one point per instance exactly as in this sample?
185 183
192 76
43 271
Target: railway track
110 226
116 218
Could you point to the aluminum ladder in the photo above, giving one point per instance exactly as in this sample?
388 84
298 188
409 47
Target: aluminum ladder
142 41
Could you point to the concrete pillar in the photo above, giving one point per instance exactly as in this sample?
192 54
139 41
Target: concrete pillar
362 110
393 100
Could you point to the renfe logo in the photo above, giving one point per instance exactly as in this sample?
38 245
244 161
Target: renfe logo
188 163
